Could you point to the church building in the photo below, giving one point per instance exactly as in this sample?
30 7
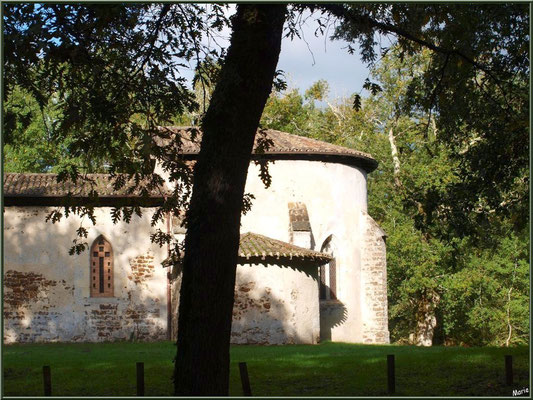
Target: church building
312 262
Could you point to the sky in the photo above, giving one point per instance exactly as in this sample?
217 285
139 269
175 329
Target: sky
306 60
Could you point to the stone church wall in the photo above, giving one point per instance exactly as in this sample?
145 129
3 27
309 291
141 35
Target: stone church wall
274 304
374 277
335 196
47 291
47 295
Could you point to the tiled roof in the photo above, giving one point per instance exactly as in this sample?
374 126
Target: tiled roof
283 144
254 246
46 185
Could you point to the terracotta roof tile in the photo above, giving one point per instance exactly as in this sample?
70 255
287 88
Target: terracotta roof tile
255 246
46 185
283 144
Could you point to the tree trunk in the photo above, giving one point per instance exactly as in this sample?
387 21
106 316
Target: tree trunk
509 325
395 158
212 241
426 320
434 126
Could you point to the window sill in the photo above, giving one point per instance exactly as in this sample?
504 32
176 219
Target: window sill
103 299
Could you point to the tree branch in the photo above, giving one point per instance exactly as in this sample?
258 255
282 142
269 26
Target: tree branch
155 35
344 13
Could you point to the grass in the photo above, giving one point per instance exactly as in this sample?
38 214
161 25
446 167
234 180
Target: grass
328 369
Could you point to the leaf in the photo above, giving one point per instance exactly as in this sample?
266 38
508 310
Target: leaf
357 102
372 87
279 84
82 232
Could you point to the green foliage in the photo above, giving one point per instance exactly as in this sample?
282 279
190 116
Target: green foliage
32 143
487 302
445 246
474 81
317 91
287 112
432 271
113 71
28 147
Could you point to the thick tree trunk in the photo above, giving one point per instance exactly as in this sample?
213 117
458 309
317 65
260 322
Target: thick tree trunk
212 241
426 320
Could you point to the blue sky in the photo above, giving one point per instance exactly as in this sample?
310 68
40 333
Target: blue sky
305 62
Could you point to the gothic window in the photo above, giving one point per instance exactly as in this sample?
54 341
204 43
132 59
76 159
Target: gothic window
328 273
101 268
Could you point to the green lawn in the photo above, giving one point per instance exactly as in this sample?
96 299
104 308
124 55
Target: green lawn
335 369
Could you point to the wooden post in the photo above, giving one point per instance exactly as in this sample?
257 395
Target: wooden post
140 379
47 381
391 378
509 370
245 381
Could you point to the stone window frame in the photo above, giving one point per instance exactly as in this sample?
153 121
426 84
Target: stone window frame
101 266
329 290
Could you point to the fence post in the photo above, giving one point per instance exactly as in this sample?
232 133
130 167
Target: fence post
245 381
140 379
509 370
391 378
47 381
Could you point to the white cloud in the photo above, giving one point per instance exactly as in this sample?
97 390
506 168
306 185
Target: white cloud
304 61
307 63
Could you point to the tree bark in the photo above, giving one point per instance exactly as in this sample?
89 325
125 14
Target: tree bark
212 241
426 320
509 325
395 158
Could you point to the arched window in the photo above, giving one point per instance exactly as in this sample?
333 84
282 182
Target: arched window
328 273
101 268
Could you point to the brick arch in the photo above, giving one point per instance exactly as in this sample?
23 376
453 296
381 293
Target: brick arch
101 268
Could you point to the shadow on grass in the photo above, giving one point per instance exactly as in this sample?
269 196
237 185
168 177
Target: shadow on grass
329 369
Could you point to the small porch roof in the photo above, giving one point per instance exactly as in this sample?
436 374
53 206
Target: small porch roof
254 247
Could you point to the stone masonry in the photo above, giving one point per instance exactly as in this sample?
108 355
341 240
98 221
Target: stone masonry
374 279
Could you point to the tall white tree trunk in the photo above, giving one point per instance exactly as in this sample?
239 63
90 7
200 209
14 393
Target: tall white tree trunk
426 321
510 327
395 158
508 340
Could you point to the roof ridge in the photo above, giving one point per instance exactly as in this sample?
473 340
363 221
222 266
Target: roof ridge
45 185
288 145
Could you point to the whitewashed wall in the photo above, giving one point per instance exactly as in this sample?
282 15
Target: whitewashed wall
46 291
275 304
57 305
336 200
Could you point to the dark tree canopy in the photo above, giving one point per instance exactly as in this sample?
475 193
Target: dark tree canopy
114 71
113 74
475 85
